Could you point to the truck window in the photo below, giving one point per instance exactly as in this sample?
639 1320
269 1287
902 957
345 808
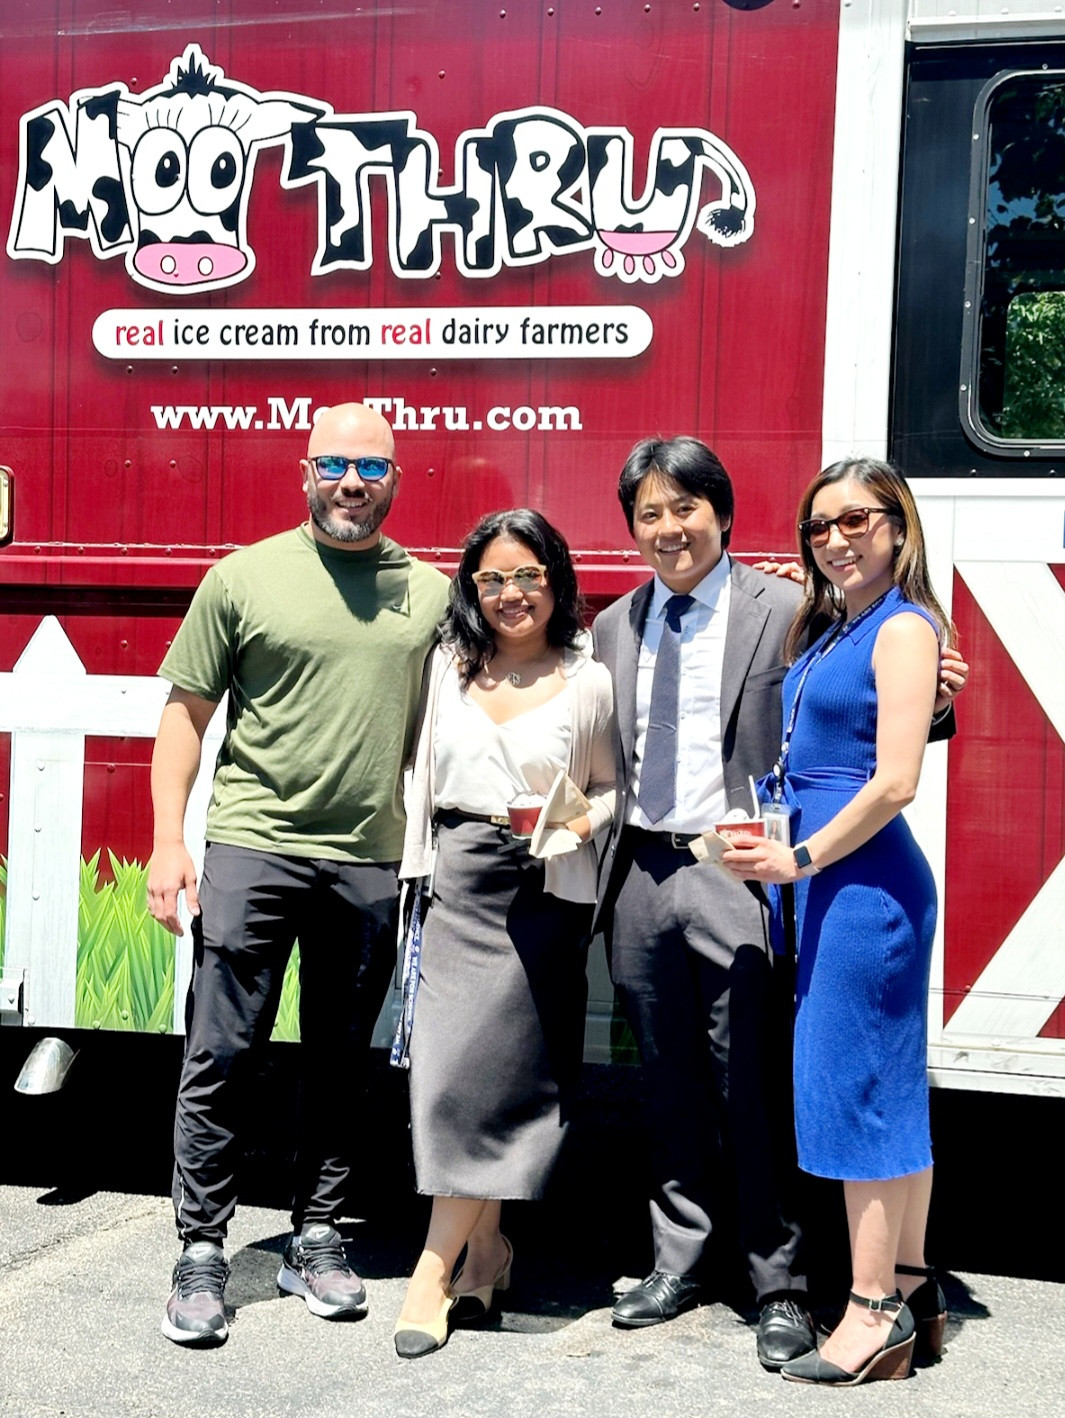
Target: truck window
1019 193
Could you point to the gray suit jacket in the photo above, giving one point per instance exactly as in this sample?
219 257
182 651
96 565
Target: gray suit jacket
761 609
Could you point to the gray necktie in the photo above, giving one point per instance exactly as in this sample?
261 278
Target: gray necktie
658 771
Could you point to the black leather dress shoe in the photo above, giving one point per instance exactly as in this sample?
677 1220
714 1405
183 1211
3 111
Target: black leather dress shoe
660 1297
785 1331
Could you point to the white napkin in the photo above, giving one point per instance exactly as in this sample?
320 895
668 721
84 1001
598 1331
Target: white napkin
565 801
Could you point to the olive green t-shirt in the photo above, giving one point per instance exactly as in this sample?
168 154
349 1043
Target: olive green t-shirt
322 652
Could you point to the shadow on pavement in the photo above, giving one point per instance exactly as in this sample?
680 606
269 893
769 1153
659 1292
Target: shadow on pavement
110 1130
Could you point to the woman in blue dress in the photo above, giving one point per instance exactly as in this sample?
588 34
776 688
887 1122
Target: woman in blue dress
857 707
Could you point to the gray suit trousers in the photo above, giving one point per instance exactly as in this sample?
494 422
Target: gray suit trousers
711 1010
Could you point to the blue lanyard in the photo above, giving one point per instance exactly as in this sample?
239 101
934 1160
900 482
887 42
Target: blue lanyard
832 638
412 961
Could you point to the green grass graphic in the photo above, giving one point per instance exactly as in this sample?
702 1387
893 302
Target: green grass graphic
125 975
125 969
287 1027
125 972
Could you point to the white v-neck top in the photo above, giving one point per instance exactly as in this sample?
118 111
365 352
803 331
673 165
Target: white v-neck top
480 766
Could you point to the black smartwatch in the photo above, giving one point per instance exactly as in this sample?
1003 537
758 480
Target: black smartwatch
801 853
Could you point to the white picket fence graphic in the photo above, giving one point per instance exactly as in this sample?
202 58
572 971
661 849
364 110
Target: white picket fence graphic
49 704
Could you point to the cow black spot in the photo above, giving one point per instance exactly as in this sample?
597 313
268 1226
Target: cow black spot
352 243
382 133
572 167
231 216
105 105
195 238
39 131
306 146
670 174
596 155
461 209
498 151
421 257
71 219
517 215
116 218
483 253
350 247
560 235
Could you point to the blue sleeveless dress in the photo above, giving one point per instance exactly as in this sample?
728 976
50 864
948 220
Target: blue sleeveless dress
864 927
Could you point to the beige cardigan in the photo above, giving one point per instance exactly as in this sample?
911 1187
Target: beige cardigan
591 766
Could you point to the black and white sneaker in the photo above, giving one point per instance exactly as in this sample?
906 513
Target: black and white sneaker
195 1312
316 1267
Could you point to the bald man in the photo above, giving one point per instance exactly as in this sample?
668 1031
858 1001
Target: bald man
319 636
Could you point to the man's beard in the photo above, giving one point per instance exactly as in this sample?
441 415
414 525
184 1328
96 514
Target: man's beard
339 528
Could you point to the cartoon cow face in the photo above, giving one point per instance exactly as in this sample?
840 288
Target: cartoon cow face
191 146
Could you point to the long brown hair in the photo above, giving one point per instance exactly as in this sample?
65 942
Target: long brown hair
822 603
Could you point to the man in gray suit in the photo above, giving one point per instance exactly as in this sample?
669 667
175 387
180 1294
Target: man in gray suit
697 660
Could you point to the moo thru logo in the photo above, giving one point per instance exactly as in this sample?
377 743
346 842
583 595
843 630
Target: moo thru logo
164 177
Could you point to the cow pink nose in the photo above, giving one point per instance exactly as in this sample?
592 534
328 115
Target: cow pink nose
185 263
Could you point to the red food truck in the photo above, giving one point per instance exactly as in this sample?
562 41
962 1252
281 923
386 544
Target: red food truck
529 233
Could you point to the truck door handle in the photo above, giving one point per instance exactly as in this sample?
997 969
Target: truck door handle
7 502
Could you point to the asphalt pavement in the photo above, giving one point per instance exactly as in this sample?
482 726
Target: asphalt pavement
87 1244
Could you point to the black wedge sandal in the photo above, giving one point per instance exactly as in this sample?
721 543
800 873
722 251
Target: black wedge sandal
928 1305
891 1361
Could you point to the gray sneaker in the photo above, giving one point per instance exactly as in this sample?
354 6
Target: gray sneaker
195 1312
316 1267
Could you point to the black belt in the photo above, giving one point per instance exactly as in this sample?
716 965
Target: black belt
678 841
457 814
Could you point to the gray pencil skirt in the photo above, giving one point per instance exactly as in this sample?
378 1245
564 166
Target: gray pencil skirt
499 1020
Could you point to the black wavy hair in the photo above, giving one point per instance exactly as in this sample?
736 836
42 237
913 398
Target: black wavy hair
465 628
687 462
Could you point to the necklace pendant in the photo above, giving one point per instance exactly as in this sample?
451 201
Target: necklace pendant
513 678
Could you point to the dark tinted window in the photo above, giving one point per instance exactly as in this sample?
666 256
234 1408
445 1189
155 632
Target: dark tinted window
1021 330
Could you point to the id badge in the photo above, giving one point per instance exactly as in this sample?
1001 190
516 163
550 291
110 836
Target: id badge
777 819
